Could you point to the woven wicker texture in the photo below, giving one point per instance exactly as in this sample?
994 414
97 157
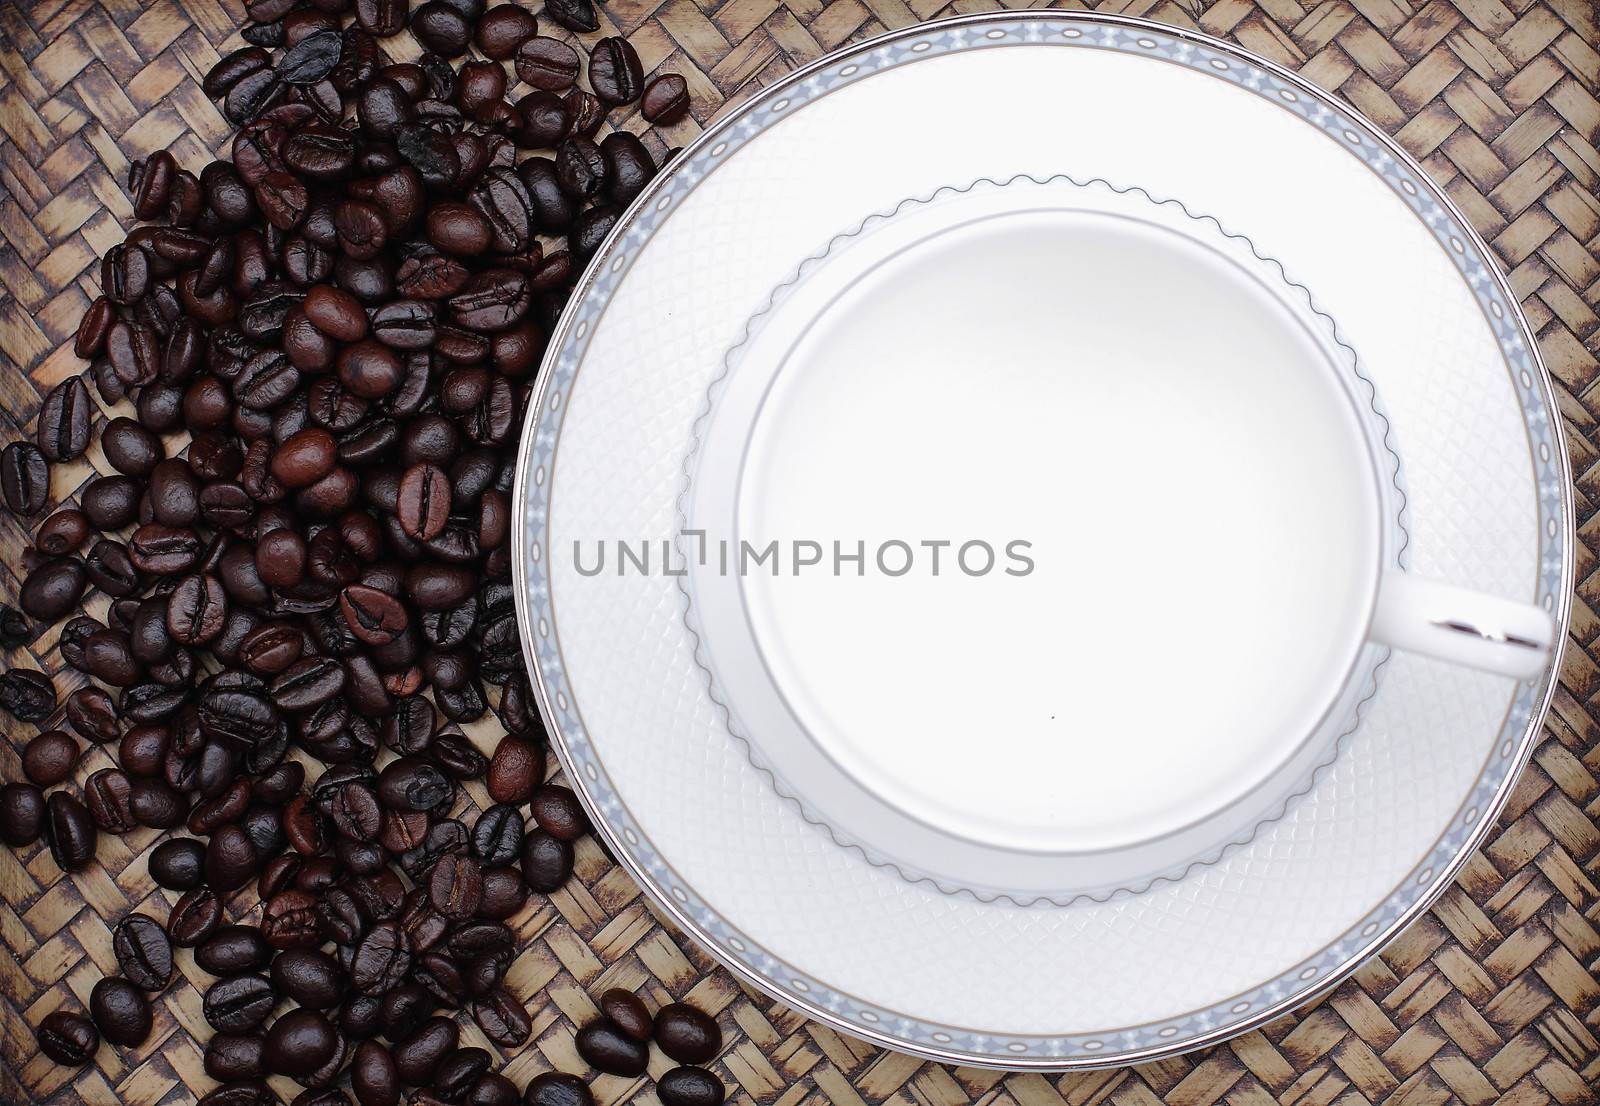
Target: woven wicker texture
1494 996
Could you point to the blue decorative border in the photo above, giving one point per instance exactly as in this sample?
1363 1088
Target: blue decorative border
948 1043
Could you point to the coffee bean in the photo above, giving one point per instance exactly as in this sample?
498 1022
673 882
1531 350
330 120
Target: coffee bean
68 1039
231 860
111 502
503 29
666 99
310 977
22 814
131 449
299 1042
547 63
546 861
49 758
604 1045
120 1012
419 1053
381 960
62 533
239 1004
627 1012
235 1056
179 864
27 695
196 610
25 479
109 796
305 457
195 917
574 15
311 59
373 1078
580 168
143 951
690 1086
686 1034
442 29
515 770
614 71
559 813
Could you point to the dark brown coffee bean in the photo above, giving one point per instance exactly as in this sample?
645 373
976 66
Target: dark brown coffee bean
63 532
686 1034
26 695
311 59
299 1042
381 960
197 609
546 862
375 617
455 886
22 814
143 952
690 1086
574 15
628 167
120 1012
369 369
68 1039
382 19
63 432
92 715
164 550
442 29
515 770
614 71
49 758
227 72
281 558
109 795
666 99
271 648
418 1055
580 168
231 860
305 457
131 449
25 479
239 1004
559 813
195 917
110 502
335 312
373 1078
547 63
235 1056
248 1093
125 274
626 1010
179 864
606 1047
503 29
111 570
423 507
542 119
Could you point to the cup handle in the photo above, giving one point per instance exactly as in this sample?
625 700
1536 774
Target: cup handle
1465 627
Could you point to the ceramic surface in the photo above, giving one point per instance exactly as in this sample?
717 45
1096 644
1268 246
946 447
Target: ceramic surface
1379 830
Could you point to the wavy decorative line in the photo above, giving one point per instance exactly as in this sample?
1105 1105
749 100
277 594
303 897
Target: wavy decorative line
1245 836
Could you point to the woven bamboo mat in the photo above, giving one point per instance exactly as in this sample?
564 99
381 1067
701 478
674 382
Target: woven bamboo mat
1494 996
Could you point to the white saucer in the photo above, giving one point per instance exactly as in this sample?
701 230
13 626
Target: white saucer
856 796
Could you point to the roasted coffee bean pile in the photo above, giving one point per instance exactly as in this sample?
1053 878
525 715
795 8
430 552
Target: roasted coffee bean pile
327 344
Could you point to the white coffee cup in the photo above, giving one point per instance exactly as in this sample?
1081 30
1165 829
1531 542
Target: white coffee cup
1200 471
